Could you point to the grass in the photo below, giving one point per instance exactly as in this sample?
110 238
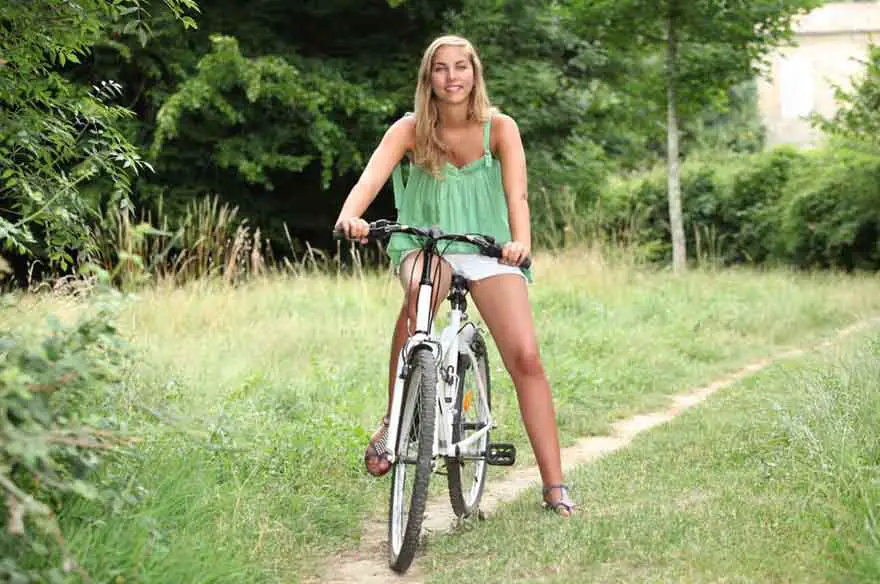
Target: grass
774 480
255 402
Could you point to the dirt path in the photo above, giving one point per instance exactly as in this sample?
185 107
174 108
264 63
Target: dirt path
369 563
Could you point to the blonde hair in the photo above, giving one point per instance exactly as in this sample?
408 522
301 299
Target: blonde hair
430 152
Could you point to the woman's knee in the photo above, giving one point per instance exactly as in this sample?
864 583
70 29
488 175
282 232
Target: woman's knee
525 362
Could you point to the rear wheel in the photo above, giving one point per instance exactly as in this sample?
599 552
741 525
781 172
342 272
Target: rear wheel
413 454
466 474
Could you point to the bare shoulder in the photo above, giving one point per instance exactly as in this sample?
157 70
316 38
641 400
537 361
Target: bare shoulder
403 132
503 123
504 131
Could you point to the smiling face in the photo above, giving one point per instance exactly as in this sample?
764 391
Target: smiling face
452 74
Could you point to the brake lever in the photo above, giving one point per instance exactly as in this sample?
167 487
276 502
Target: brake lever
380 224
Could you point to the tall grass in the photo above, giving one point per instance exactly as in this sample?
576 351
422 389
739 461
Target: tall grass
832 445
208 241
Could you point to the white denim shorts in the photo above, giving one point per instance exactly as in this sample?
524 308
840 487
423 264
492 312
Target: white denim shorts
472 266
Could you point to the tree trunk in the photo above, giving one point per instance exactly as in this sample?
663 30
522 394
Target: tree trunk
676 227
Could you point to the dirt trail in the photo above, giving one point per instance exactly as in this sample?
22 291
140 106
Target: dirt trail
368 564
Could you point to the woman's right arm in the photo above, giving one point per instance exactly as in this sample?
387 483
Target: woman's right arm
399 138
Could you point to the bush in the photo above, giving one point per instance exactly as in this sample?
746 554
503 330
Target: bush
832 216
818 209
750 213
51 438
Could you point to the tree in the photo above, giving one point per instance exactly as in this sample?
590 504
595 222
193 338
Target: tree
705 46
62 152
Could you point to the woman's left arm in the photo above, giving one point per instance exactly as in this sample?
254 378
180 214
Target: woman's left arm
513 175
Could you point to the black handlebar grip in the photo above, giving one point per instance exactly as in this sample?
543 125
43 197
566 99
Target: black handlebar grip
492 252
495 252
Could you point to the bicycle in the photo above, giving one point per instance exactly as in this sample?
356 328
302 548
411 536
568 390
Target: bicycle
441 406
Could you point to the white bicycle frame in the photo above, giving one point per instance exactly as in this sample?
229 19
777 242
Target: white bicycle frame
453 339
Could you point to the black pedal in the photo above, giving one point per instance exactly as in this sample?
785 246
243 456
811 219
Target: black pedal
499 454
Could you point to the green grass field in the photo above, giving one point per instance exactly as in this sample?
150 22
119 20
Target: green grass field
254 405
777 479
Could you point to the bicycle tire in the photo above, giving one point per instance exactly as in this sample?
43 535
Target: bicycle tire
467 478
417 420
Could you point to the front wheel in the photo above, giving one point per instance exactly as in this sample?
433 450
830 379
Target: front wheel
466 475
413 454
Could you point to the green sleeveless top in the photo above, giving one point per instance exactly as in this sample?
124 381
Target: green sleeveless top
469 199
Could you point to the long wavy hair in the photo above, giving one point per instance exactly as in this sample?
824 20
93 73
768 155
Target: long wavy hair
430 152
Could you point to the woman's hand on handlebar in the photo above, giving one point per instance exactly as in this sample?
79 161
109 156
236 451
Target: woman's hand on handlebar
354 228
514 253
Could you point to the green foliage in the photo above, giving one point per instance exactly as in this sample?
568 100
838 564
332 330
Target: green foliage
832 218
52 436
734 125
64 154
817 209
270 112
264 115
730 206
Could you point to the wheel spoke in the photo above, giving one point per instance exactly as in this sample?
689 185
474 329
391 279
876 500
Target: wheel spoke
467 475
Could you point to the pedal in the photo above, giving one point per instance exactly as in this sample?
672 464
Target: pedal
500 454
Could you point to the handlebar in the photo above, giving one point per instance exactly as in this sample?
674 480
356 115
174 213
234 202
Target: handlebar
383 229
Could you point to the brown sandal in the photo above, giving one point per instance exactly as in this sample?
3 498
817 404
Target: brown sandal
377 450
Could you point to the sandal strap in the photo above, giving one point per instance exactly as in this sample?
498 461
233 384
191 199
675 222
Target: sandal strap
549 488
380 444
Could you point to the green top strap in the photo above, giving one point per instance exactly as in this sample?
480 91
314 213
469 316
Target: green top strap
487 129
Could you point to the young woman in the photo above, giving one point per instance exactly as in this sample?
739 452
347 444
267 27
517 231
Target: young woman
467 175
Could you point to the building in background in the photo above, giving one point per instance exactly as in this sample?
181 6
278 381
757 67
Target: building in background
832 43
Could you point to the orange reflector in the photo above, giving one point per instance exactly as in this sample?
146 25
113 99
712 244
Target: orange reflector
468 396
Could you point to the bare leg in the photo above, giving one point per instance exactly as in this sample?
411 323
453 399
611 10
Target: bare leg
410 274
504 305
